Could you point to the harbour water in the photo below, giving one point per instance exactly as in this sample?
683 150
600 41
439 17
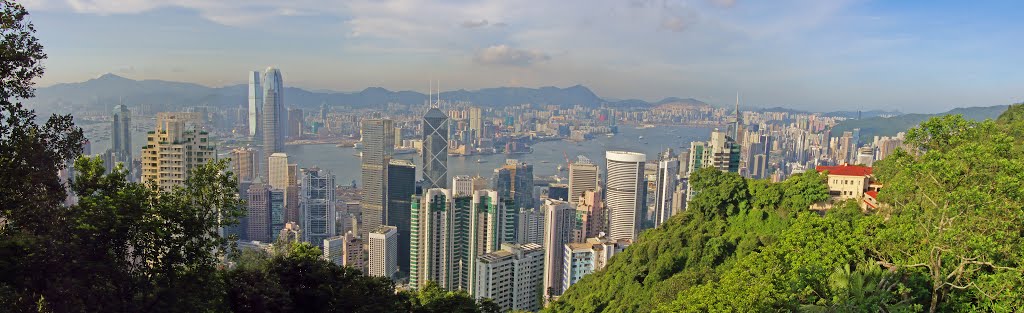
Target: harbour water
546 156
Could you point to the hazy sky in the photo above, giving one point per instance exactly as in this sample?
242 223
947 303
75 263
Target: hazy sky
915 56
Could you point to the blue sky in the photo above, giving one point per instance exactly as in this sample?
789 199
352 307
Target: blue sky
914 56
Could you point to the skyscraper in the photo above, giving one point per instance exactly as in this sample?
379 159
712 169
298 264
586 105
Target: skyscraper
278 171
624 193
255 105
121 134
295 121
345 250
530 228
435 149
317 202
668 172
243 161
475 124
514 184
590 214
459 238
583 176
273 138
273 89
258 212
559 221
429 257
175 147
486 227
401 186
511 277
291 195
720 152
383 251
276 207
378 146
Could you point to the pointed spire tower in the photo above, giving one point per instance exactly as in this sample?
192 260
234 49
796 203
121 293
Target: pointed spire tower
737 121
435 145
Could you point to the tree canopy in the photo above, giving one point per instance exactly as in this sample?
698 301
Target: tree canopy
948 239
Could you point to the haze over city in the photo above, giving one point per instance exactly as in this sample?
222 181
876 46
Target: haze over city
462 156
813 55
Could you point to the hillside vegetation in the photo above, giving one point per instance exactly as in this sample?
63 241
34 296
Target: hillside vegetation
947 240
890 126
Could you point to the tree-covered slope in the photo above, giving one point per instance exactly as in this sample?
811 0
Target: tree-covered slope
729 218
947 239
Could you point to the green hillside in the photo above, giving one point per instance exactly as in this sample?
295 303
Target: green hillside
882 126
949 240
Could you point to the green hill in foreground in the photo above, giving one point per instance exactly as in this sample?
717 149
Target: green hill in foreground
949 240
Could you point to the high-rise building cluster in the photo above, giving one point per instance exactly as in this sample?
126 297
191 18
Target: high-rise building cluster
508 235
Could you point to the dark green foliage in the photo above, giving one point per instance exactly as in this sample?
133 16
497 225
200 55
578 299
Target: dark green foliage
301 281
956 213
718 229
802 190
1013 115
31 194
947 239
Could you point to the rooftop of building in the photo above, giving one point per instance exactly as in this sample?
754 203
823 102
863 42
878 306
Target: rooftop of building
434 113
581 246
845 170
625 156
383 229
402 162
495 256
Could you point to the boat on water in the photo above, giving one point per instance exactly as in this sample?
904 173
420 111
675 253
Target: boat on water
358 154
358 145
641 137
561 168
544 161
610 135
481 161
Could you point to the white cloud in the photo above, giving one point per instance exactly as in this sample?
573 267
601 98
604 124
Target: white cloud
505 55
474 24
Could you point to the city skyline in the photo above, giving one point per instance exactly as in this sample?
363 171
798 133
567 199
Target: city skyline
796 54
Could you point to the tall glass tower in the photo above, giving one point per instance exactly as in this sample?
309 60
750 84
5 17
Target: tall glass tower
273 115
624 196
318 202
121 133
435 149
255 104
378 146
273 89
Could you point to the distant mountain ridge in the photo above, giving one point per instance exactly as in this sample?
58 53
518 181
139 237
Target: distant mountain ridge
890 126
111 89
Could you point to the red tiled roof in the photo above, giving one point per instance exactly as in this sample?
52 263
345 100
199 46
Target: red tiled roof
872 193
846 170
868 203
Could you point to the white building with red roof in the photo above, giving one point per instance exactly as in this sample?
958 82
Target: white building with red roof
852 182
